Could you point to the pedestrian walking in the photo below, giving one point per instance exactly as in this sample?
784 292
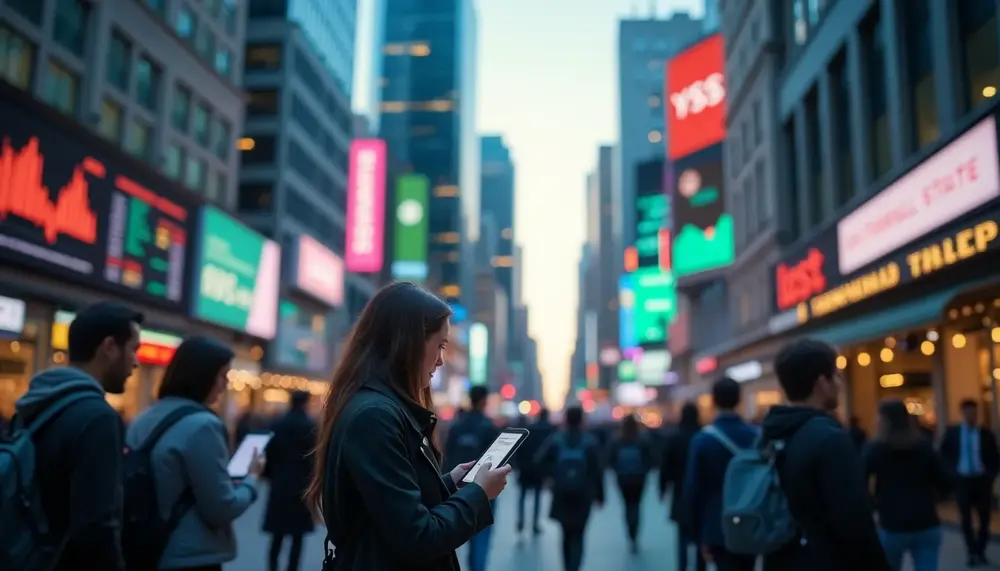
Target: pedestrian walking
672 471
631 458
530 475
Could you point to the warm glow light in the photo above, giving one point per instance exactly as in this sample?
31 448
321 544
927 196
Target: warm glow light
841 362
886 355
891 381
932 335
996 374
617 413
246 144
524 407
890 342
655 137
508 391
864 359
995 334
958 341
927 348
989 91
589 406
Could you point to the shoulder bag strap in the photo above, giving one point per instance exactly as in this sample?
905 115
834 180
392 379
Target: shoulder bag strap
53 409
721 437
186 500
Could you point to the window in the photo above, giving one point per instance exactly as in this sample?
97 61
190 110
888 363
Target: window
62 88
214 186
147 83
119 61
111 120
205 45
263 56
916 21
230 15
201 118
223 62
17 58
841 87
878 117
747 138
763 212
70 27
977 22
185 24
263 102
255 198
223 139
194 174
181 112
814 150
32 10
310 171
758 134
792 169
157 6
263 151
800 28
173 161
139 141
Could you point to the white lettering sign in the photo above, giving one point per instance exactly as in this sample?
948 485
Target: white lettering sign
364 223
699 96
223 286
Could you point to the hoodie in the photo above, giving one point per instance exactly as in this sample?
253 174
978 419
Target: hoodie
823 478
78 467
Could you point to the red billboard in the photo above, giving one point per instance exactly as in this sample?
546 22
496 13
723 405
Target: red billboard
696 97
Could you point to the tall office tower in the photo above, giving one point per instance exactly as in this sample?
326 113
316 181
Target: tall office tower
585 346
293 182
162 81
644 45
497 203
428 120
608 263
713 17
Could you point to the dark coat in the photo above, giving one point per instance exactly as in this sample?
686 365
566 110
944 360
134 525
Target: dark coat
387 505
822 476
289 468
573 511
468 438
951 450
910 479
673 465
530 475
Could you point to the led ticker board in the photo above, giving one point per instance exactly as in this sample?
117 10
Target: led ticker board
652 212
655 305
73 207
703 229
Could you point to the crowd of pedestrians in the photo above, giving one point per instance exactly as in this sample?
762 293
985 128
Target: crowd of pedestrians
794 491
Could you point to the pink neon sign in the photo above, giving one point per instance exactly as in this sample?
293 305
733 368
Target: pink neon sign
366 206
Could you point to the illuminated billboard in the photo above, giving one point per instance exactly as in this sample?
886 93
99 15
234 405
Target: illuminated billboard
479 340
410 252
626 313
654 305
365 233
652 212
703 229
696 97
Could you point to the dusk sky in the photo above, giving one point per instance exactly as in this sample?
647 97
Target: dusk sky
548 83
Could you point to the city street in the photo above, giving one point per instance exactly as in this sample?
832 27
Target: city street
606 544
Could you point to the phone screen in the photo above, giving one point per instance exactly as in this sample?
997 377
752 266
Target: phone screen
239 464
495 455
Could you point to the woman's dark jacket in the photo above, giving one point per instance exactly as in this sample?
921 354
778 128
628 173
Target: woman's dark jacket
673 467
288 469
386 505
910 478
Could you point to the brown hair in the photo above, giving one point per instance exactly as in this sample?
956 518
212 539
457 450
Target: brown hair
387 342
896 425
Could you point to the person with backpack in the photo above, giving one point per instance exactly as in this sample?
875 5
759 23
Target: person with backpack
180 499
529 476
631 458
468 438
61 460
572 460
673 465
827 524
711 451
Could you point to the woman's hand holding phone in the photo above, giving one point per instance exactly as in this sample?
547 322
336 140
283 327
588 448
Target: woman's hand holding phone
257 464
492 481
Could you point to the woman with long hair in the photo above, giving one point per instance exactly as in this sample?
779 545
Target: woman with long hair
378 484
909 477
189 457
631 458
673 466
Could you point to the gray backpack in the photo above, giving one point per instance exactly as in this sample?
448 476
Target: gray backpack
755 515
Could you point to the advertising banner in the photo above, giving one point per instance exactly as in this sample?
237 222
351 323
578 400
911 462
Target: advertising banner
410 252
75 209
479 343
696 97
366 206
318 271
303 340
703 229
236 284
655 306
627 338
957 179
652 211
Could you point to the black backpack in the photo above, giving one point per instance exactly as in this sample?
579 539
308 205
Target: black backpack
571 476
145 532
27 542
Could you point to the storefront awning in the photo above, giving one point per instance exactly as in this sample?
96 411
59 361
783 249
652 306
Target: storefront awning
923 311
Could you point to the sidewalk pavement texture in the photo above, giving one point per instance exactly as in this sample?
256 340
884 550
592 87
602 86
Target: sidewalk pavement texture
607 547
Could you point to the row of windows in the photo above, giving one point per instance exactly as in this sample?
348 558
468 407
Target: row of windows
259 198
226 12
320 135
751 210
202 40
263 150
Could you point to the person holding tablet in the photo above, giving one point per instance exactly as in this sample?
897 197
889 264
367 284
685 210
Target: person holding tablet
378 483
190 461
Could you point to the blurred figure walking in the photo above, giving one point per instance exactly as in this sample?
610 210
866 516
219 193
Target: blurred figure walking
530 474
631 458
672 470
289 467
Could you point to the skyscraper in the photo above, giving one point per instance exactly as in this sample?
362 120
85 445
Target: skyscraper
497 205
427 117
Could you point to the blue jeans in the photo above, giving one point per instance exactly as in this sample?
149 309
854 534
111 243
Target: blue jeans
479 546
924 548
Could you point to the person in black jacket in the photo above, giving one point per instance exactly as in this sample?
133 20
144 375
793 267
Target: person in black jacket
378 482
971 451
672 470
820 469
909 477
530 475
79 460
631 458
288 469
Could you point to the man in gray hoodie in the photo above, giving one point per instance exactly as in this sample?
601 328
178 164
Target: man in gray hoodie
80 450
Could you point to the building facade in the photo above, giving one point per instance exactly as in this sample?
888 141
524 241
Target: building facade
427 117
497 196
609 264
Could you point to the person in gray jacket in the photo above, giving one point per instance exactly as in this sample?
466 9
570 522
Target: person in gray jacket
193 454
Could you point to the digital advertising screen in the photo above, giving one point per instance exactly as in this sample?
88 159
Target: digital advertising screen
319 272
303 339
366 206
652 211
76 209
626 313
703 230
696 97
655 305
410 251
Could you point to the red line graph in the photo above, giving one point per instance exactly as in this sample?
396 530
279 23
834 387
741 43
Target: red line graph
22 194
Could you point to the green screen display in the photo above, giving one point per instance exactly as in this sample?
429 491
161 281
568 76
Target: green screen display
410 252
654 304
703 230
